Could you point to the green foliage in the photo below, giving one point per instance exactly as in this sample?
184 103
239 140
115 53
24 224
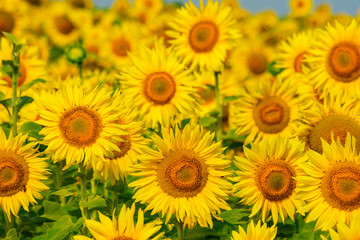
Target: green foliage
93 201
274 70
61 229
53 210
235 216
30 84
11 235
32 129
207 121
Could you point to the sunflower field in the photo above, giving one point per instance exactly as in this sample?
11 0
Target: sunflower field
155 120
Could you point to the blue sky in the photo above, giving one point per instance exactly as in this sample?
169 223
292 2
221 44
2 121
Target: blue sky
281 6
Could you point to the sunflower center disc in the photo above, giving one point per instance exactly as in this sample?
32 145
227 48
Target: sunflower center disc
34 2
14 173
275 180
257 63
80 126
123 238
344 62
339 124
207 94
64 25
271 114
159 88
7 22
78 3
123 146
121 47
21 79
182 174
203 36
341 186
298 62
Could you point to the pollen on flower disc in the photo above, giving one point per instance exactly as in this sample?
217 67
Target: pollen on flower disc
14 173
80 126
182 174
159 88
64 25
203 36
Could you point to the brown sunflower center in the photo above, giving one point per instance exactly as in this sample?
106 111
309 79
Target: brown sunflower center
203 36
35 2
121 47
122 238
182 174
275 180
78 3
344 62
7 22
80 126
124 146
257 63
64 25
14 173
341 186
271 114
159 88
21 79
340 125
207 94
298 62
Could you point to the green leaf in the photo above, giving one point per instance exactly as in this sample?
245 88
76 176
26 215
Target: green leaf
234 216
274 70
23 101
19 48
207 121
65 192
93 201
230 99
184 122
6 102
55 53
32 129
6 128
304 236
53 210
201 232
61 229
11 235
230 135
30 84
2 96
11 38
6 70
118 187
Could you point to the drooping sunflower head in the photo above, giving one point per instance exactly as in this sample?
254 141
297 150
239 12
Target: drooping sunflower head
336 59
160 84
269 109
79 125
335 118
203 39
253 231
332 185
21 172
273 165
186 172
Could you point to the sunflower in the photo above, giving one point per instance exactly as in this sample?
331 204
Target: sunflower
250 59
345 232
62 69
21 172
253 232
270 109
31 68
160 85
332 185
81 4
266 177
12 13
202 37
123 228
335 117
122 40
79 126
300 8
63 24
131 145
336 56
185 177
293 52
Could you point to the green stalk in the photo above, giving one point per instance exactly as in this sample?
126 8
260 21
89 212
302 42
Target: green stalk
14 85
219 108
180 230
59 179
79 65
84 210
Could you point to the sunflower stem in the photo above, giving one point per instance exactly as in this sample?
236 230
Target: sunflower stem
116 199
79 65
59 179
180 230
219 108
85 210
14 85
